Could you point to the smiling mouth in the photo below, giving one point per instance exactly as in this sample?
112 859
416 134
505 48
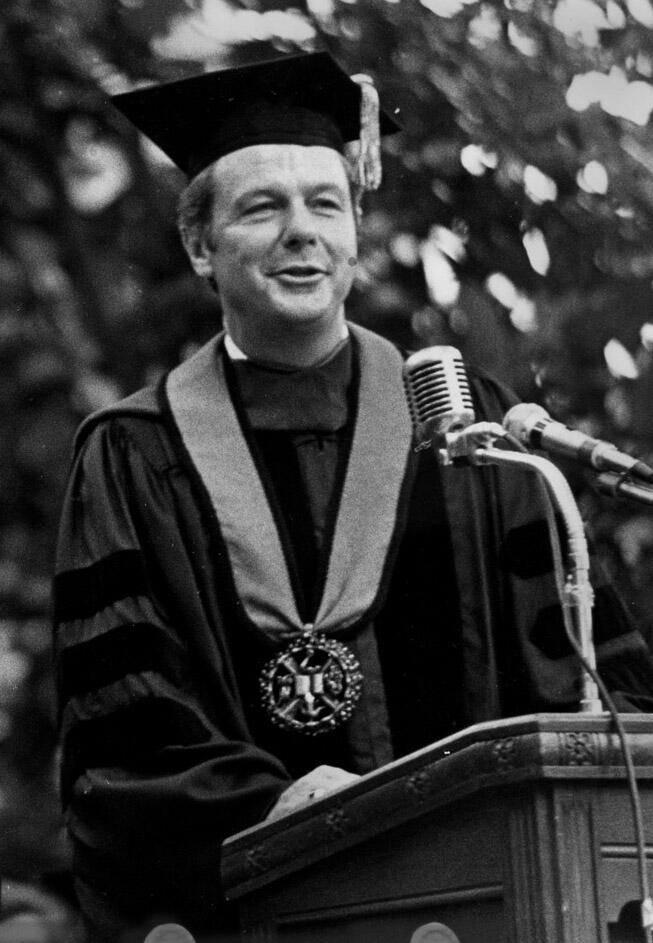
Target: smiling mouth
300 271
300 277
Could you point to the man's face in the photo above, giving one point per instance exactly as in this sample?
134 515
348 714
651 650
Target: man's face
282 242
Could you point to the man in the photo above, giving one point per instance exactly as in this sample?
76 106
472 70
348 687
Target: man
262 591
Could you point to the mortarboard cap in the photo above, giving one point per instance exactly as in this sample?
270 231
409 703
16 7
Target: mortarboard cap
305 99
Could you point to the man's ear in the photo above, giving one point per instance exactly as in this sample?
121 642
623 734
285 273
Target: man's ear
198 252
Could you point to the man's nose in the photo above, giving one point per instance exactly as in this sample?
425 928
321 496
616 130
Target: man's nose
300 226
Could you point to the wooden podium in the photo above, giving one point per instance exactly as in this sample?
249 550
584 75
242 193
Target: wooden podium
517 831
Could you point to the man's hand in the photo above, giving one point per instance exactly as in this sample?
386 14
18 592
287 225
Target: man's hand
312 786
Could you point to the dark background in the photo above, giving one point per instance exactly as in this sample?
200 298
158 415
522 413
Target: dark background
515 222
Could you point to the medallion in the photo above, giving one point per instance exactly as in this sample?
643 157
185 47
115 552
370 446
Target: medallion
312 686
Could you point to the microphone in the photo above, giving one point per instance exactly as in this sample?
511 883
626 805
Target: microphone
532 425
438 393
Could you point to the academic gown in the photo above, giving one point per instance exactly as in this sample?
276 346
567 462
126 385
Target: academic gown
165 614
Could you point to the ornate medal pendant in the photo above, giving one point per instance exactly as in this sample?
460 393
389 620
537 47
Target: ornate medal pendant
312 686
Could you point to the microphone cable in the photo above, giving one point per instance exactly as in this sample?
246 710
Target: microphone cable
633 789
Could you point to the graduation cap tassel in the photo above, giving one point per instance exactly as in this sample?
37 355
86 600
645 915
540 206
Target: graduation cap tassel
367 168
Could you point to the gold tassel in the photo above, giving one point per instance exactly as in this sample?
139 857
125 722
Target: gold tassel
367 160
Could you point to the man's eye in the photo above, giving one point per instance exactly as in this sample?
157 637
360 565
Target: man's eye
328 203
265 206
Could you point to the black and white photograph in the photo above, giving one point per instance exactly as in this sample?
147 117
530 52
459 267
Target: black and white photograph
326 471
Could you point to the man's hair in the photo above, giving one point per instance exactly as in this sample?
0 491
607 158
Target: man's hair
195 207
196 202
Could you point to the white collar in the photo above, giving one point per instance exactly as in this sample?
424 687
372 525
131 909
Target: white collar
235 353
233 350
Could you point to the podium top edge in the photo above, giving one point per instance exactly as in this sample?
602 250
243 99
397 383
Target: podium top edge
485 755
641 723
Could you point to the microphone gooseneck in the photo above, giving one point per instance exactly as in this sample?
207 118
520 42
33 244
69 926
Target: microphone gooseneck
442 411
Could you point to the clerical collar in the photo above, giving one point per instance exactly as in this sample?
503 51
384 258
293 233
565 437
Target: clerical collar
311 399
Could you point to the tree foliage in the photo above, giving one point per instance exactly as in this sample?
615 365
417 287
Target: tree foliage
515 222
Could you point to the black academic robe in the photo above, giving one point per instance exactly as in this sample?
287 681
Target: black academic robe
166 749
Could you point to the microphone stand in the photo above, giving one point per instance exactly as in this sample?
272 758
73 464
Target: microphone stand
475 445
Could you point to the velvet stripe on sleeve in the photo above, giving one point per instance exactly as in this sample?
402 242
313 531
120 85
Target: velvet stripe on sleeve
157 764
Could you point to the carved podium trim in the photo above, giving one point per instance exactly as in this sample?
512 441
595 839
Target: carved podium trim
498 754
